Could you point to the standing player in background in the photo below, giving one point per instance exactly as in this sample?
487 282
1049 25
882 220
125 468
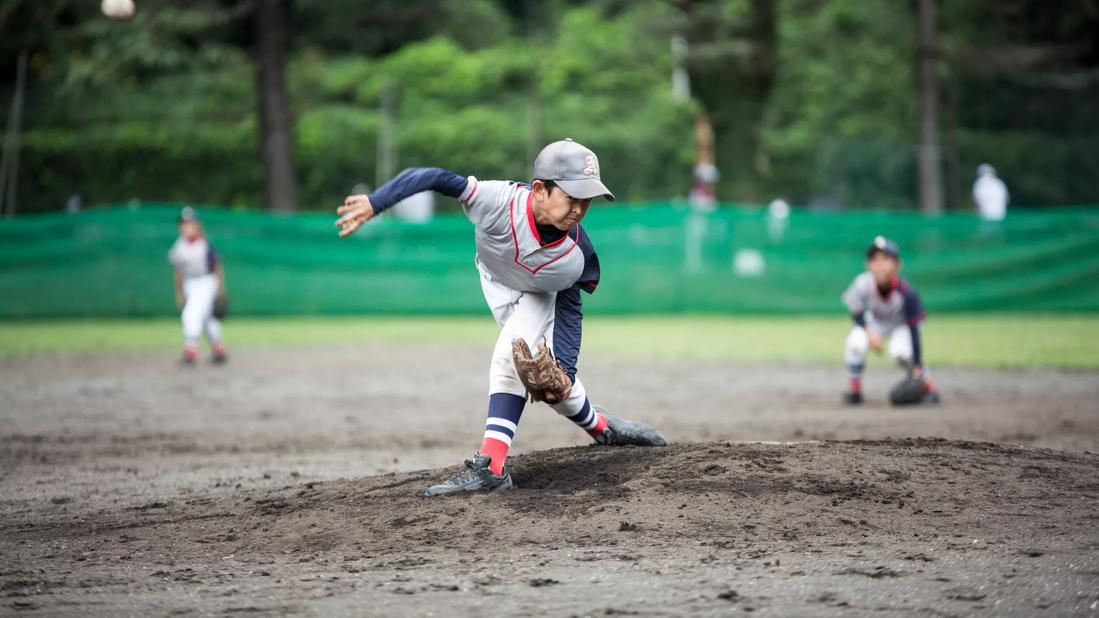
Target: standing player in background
534 259
884 306
990 194
703 197
199 283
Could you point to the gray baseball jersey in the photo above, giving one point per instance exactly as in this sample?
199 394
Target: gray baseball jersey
509 245
900 304
511 248
193 258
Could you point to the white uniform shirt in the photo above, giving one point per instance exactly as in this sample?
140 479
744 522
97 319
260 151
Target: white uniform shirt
193 258
991 196
899 305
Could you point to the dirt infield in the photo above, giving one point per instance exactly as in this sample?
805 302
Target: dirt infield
289 482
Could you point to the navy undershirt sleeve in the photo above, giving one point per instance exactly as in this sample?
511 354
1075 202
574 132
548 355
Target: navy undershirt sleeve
211 258
567 327
415 180
589 278
915 331
914 314
859 319
913 307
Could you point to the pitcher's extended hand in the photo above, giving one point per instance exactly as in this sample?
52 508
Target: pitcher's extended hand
355 211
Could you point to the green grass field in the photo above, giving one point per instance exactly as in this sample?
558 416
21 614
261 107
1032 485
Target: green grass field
1008 340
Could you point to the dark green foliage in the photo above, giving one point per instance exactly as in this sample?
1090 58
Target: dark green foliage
811 99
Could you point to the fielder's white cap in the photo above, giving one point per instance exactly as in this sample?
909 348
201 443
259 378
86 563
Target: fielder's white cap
572 167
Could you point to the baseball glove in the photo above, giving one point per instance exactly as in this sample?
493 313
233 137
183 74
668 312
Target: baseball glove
543 377
221 306
907 392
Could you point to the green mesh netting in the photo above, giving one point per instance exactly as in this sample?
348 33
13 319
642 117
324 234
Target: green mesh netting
656 258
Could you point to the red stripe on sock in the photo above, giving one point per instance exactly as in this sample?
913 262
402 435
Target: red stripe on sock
600 426
855 384
498 451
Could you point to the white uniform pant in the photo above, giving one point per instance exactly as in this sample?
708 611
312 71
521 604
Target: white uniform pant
527 315
858 344
198 310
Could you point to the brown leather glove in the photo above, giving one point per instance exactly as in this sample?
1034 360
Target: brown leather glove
543 377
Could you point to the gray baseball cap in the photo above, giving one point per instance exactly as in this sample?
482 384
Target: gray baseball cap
188 214
573 167
884 245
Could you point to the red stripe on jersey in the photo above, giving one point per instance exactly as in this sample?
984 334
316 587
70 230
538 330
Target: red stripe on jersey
530 218
471 193
515 238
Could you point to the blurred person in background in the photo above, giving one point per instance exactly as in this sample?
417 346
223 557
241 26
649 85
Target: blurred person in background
199 283
703 197
417 208
990 194
778 219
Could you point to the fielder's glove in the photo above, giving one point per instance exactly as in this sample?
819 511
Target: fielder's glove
543 377
908 391
221 306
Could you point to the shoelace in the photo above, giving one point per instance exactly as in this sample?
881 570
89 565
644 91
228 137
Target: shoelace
468 474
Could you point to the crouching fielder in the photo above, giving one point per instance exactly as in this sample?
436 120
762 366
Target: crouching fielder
199 283
885 306
534 259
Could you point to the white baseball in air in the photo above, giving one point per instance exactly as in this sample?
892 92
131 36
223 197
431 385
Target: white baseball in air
118 10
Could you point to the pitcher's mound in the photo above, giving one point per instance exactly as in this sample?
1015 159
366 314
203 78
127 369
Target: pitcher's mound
892 527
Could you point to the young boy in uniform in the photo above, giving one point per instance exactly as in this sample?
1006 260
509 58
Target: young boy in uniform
534 259
199 283
884 306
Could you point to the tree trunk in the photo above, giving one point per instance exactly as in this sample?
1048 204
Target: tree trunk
731 67
275 137
9 162
930 178
955 197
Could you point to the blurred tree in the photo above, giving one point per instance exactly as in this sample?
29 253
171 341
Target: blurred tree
272 30
1024 76
840 124
929 169
813 100
114 106
731 64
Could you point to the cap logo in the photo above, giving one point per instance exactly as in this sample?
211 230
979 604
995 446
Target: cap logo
591 166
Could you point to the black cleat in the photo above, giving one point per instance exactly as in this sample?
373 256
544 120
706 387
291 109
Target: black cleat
219 359
852 398
931 398
622 432
187 360
476 477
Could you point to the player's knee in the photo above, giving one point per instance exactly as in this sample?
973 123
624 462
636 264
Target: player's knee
857 344
192 328
903 357
506 384
503 377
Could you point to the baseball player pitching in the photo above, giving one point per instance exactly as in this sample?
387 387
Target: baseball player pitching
885 306
200 288
534 259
